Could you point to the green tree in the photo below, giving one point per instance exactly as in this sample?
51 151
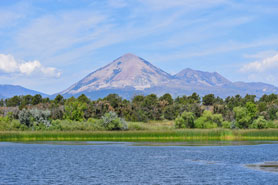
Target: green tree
252 110
208 99
262 106
59 100
249 98
268 98
138 99
172 111
13 102
272 111
36 99
168 98
2 103
46 100
234 101
194 98
150 107
83 99
27 100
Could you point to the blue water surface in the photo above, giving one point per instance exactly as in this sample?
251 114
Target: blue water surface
123 163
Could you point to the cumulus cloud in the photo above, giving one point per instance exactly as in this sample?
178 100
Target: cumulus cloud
264 65
8 64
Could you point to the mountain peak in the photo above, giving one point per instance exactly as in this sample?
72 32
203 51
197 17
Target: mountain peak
129 55
128 58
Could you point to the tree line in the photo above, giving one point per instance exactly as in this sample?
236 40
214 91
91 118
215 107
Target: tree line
188 111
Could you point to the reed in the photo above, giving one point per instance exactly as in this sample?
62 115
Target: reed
160 135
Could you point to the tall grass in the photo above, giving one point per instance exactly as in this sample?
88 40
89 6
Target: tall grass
149 135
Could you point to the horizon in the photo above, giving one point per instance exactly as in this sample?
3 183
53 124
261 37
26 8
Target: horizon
48 46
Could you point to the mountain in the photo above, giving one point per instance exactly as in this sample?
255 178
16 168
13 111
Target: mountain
202 78
129 75
126 73
7 91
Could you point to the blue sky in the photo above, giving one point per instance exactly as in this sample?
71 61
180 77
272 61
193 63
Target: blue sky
47 45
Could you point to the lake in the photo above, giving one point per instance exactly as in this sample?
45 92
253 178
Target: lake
129 163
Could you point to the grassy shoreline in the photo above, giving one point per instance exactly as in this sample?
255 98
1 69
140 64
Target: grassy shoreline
149 135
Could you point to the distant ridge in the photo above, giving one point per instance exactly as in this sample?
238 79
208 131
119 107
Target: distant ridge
7 91
130 75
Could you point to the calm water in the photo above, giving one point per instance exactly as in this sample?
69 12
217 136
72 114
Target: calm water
80 163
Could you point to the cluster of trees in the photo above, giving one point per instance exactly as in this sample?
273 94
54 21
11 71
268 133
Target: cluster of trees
187 111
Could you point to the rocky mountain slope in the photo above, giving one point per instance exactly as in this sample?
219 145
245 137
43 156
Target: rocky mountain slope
126 72
202 78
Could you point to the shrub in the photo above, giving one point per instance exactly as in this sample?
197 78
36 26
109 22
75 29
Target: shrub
74 110
209 120
185 120
34 117
25 117
7 124
202 122
40 117
111 121
242 117
259 123
227 124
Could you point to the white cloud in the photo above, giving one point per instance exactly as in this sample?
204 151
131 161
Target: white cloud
266 64
8 64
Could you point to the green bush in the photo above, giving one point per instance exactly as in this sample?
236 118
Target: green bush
74 110
111 121
25 117
40 117
209 120
185 120
227 124
259 123
272 124
243 119
6 123
34 117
